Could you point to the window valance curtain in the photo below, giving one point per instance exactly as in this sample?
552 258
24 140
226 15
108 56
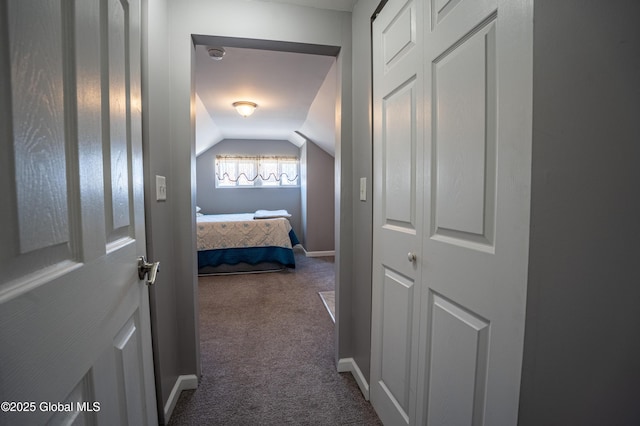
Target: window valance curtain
256 170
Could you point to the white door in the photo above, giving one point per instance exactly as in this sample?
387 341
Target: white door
397 219
475 223
75 344
477 185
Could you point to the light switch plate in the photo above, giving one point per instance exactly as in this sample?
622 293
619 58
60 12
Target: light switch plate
161 188
363 189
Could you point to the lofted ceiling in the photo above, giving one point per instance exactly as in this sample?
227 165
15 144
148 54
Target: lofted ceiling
283 84
344 5
295 92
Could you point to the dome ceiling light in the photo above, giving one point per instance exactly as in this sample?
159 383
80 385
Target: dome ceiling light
245 108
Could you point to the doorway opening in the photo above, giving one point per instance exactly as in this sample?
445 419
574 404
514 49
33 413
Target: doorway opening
211 137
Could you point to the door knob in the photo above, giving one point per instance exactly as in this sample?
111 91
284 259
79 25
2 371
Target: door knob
412 257
148 269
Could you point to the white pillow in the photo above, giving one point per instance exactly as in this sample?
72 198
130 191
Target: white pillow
268 214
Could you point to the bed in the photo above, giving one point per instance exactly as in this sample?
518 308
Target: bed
245 242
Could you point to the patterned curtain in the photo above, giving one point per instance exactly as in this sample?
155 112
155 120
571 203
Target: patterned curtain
256 170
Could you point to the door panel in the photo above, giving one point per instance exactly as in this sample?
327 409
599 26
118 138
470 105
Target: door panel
35 154
397 320
38 122
74 319
458 364
398 146
464 139
81 393
128 350
117 151
397 211
399 37
441 8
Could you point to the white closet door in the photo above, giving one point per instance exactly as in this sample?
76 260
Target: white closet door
452 152
478 74
398 199
74 317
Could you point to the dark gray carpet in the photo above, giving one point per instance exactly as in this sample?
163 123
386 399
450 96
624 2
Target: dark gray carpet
267 346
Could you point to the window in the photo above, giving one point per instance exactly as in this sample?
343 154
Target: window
251 172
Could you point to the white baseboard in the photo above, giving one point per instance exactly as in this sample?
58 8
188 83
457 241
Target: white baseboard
319 253
350 365
187 382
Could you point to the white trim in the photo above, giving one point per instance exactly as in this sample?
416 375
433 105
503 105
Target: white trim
326 305
186 382
349 365
319 253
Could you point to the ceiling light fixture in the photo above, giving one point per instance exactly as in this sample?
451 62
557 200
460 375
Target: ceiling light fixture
245 108
216 53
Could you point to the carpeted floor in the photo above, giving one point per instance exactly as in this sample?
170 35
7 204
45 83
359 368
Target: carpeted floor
268 354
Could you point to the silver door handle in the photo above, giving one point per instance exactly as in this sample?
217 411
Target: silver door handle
148 269
412 257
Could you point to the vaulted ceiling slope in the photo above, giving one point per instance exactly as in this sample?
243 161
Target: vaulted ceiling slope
293 92
344 5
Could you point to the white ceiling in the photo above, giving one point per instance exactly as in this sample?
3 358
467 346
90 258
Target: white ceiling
344 5
283 84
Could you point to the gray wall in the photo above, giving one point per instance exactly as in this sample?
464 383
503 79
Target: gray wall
170 151
246 200
582 340
362 218
159 215
317 186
